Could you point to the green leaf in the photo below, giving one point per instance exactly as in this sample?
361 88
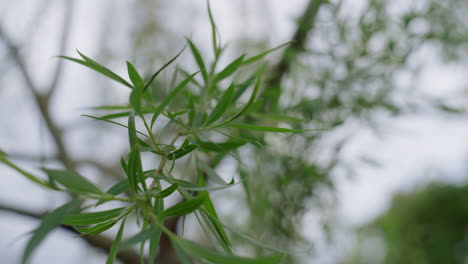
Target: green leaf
162 68
135 170
185 207
199 60
115 245
154 242
85 219
182 151
132 136
134 165
230 69
50 221
170 97
29 176
73 181
198 251
269 129
212 175
164 193
97 229
214 38
221 146
181 254
243 87
251 100
99 68
222 105
116 189
263 54
138 238
112 122
222 237
137 92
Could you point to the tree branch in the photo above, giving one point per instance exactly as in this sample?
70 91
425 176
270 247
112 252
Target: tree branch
305 25
97 241
65 34
41 101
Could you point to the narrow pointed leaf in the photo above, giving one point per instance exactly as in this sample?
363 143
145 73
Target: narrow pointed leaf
26 174
223 104
85 219
221 146
263 54
137 92
171 97
199 60
138 238
97 229
182 151
251 99
112 122
115 190
230 69
198 251
162 68
212 174
73 181
214 39
115 246
99 68
164 193
185 207
269 129
51 221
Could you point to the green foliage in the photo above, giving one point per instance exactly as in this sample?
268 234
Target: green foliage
143 195
429 225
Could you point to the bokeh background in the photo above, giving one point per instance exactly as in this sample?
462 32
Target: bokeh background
386 79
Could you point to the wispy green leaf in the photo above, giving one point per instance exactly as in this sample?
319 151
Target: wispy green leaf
164 193
198 251
199 60
138 238
269 129
182 151
99 68
214 38
29 176
251 99
221 146
73 181
263 54
163 67
171 97
212 174
115 190
50 221
85 219
185 207
96 229
115 246
223 104
230 69
112 122
137 92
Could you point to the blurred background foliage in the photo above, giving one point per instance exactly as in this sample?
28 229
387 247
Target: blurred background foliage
427 225
352 65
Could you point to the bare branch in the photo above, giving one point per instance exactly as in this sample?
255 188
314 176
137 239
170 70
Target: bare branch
65 34
41 101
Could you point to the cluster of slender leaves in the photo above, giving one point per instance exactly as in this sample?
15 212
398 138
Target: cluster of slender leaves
150 119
